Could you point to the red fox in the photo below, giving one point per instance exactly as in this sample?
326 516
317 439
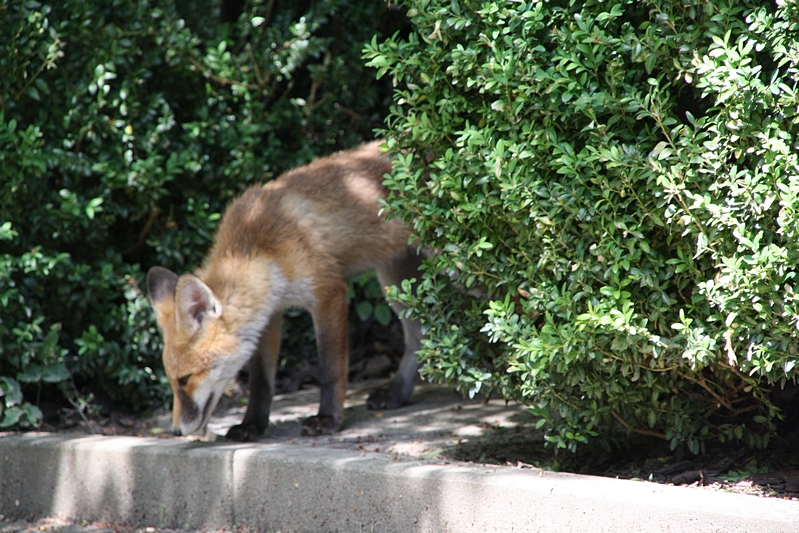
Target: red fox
288 243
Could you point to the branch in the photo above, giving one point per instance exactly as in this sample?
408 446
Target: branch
143 233
222 81
647 432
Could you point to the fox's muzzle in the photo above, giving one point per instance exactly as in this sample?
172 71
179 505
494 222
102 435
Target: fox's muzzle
186 414
191 417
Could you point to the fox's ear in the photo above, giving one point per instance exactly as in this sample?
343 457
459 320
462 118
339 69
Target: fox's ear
194 302
161 284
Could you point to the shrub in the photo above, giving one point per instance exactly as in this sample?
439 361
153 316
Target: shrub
125 128
611 189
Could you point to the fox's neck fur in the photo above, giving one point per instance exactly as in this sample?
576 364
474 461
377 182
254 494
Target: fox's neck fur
251 289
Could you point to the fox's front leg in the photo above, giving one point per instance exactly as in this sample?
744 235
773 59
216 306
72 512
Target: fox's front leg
263 366
332 342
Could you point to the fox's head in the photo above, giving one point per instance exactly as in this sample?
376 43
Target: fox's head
201 354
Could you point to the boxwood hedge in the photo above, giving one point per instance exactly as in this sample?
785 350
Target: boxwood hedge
611 189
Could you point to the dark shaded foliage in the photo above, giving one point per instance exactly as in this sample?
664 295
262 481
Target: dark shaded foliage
125 128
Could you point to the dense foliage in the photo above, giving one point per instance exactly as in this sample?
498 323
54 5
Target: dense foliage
611 188
125 128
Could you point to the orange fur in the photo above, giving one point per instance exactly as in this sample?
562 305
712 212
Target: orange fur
290 242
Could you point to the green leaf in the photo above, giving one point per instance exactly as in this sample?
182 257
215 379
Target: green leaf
10 391
31 374
650 62
11 416
47 347
55 372
364 310
382 314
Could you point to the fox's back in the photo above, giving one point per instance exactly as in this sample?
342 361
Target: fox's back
326 214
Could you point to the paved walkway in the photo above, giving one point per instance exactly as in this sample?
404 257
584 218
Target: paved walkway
383 472
52 525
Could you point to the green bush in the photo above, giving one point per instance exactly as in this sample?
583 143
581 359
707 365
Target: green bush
125 128
612 191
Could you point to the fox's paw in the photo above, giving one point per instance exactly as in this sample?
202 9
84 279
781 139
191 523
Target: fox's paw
384 398
320 425
244 433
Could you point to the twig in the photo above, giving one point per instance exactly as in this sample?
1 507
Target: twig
626 425
76 404
262 81
222 81
703 383
143 233
355 117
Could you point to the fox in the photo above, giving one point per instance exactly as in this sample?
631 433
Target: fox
291 242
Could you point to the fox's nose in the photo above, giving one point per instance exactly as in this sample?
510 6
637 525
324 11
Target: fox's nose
176 432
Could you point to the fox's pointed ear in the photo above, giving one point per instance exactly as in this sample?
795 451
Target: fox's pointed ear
161 284
194 302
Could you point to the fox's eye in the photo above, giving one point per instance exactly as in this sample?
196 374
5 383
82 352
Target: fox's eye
184 380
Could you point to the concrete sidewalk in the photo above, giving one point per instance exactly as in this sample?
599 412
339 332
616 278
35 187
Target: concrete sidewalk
381 473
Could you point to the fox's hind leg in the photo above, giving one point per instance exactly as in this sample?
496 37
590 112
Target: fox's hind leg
400 389
263 367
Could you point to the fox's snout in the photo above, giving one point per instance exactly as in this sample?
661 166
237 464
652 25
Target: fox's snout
188 423
190 414
185 415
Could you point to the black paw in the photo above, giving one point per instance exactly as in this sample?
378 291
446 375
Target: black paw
244 433
320 425
384 398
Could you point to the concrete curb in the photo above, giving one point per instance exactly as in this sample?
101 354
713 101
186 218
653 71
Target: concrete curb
300 487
